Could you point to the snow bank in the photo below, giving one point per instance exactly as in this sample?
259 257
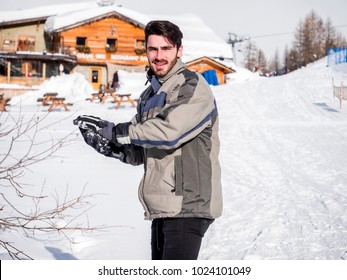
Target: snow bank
74 87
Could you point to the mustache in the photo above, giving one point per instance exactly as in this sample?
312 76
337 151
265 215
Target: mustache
159 60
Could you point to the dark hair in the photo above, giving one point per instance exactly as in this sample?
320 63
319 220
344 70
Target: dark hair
164 28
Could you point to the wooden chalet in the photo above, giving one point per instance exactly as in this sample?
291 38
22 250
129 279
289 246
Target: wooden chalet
107 38
23 55
94 40
87 41
205 64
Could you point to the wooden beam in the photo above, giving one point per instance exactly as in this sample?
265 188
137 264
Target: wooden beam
8 72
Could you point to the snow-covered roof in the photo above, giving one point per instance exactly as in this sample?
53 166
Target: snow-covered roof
71 18
198 39
42 12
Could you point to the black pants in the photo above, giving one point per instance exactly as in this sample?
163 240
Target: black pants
178 238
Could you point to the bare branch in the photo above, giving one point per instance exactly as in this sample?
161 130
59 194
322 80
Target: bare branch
61 216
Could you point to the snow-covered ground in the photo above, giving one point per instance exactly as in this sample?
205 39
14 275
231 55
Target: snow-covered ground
284 172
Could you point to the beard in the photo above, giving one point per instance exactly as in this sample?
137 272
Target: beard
162 67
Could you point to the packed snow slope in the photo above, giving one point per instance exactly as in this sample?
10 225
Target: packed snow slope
284 163
284 174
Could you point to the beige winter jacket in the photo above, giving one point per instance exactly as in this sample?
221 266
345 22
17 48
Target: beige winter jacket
177 127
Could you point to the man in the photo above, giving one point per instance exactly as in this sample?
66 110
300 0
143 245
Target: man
175 135
115 81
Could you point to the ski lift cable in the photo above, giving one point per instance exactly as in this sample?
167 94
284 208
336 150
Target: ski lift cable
287 33
272 35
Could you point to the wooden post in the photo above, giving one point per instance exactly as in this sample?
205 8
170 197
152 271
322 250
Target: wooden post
8 72
26 73
44 71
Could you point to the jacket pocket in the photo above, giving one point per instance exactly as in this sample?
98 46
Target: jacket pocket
178 176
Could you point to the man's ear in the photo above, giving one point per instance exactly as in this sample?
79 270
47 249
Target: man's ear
179 51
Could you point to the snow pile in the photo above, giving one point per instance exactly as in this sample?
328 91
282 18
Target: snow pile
74 87
133 83
284 175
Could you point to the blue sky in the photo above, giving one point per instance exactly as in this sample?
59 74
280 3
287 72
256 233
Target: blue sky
270 23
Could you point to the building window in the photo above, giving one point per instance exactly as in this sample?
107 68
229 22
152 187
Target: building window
81 45
111 45
140 44
81 41
35 69
26 43
8 45
140 47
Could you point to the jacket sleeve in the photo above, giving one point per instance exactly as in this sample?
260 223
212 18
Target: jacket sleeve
182 118
134 155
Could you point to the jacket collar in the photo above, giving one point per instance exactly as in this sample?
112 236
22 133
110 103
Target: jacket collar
179 65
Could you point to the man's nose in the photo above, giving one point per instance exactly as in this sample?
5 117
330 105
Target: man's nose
159 54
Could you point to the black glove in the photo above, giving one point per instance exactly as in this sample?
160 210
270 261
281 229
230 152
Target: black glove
103 146
89 123
89 127
116 133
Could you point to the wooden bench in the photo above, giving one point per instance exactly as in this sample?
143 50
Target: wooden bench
47 98
103 95
95 96
123 98
4 102
58 102
109 93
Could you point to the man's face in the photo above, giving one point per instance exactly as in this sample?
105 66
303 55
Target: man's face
161 54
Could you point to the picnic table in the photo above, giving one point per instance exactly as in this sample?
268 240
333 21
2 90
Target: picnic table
52 100
4 102
58 102
118 98
109 93
122 98
47 98
103 95
95 96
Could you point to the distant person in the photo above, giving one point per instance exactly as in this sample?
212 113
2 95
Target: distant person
175 135
115 81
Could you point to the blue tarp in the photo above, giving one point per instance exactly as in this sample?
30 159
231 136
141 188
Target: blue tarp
211 77
337 56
